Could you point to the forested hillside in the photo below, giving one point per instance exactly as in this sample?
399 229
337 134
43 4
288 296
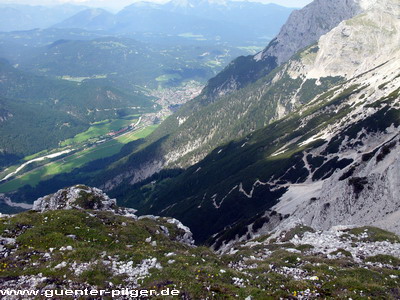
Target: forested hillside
38 112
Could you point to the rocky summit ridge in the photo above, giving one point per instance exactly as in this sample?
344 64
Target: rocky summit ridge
78 197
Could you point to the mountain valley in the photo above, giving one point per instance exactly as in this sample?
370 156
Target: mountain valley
76 63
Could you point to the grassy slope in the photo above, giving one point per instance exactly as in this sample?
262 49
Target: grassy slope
196 272
101 128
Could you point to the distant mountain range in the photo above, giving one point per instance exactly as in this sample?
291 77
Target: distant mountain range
211 20
204 19
89 19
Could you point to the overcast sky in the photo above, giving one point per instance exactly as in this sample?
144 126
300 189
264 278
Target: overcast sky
118 4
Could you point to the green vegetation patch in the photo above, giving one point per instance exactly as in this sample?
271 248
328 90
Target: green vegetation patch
78 159
373 234
297 231
384 259
168 77
100 129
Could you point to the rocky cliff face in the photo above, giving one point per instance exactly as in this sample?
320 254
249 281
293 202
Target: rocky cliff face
352 177
303 28
359 44
366 191
368 197
307 25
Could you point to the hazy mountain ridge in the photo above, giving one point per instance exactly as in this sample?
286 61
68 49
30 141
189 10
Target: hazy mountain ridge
89 19
210 20
25 17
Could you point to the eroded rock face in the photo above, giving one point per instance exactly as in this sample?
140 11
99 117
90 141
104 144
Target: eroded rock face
80 197
368 197
364 42
187 236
